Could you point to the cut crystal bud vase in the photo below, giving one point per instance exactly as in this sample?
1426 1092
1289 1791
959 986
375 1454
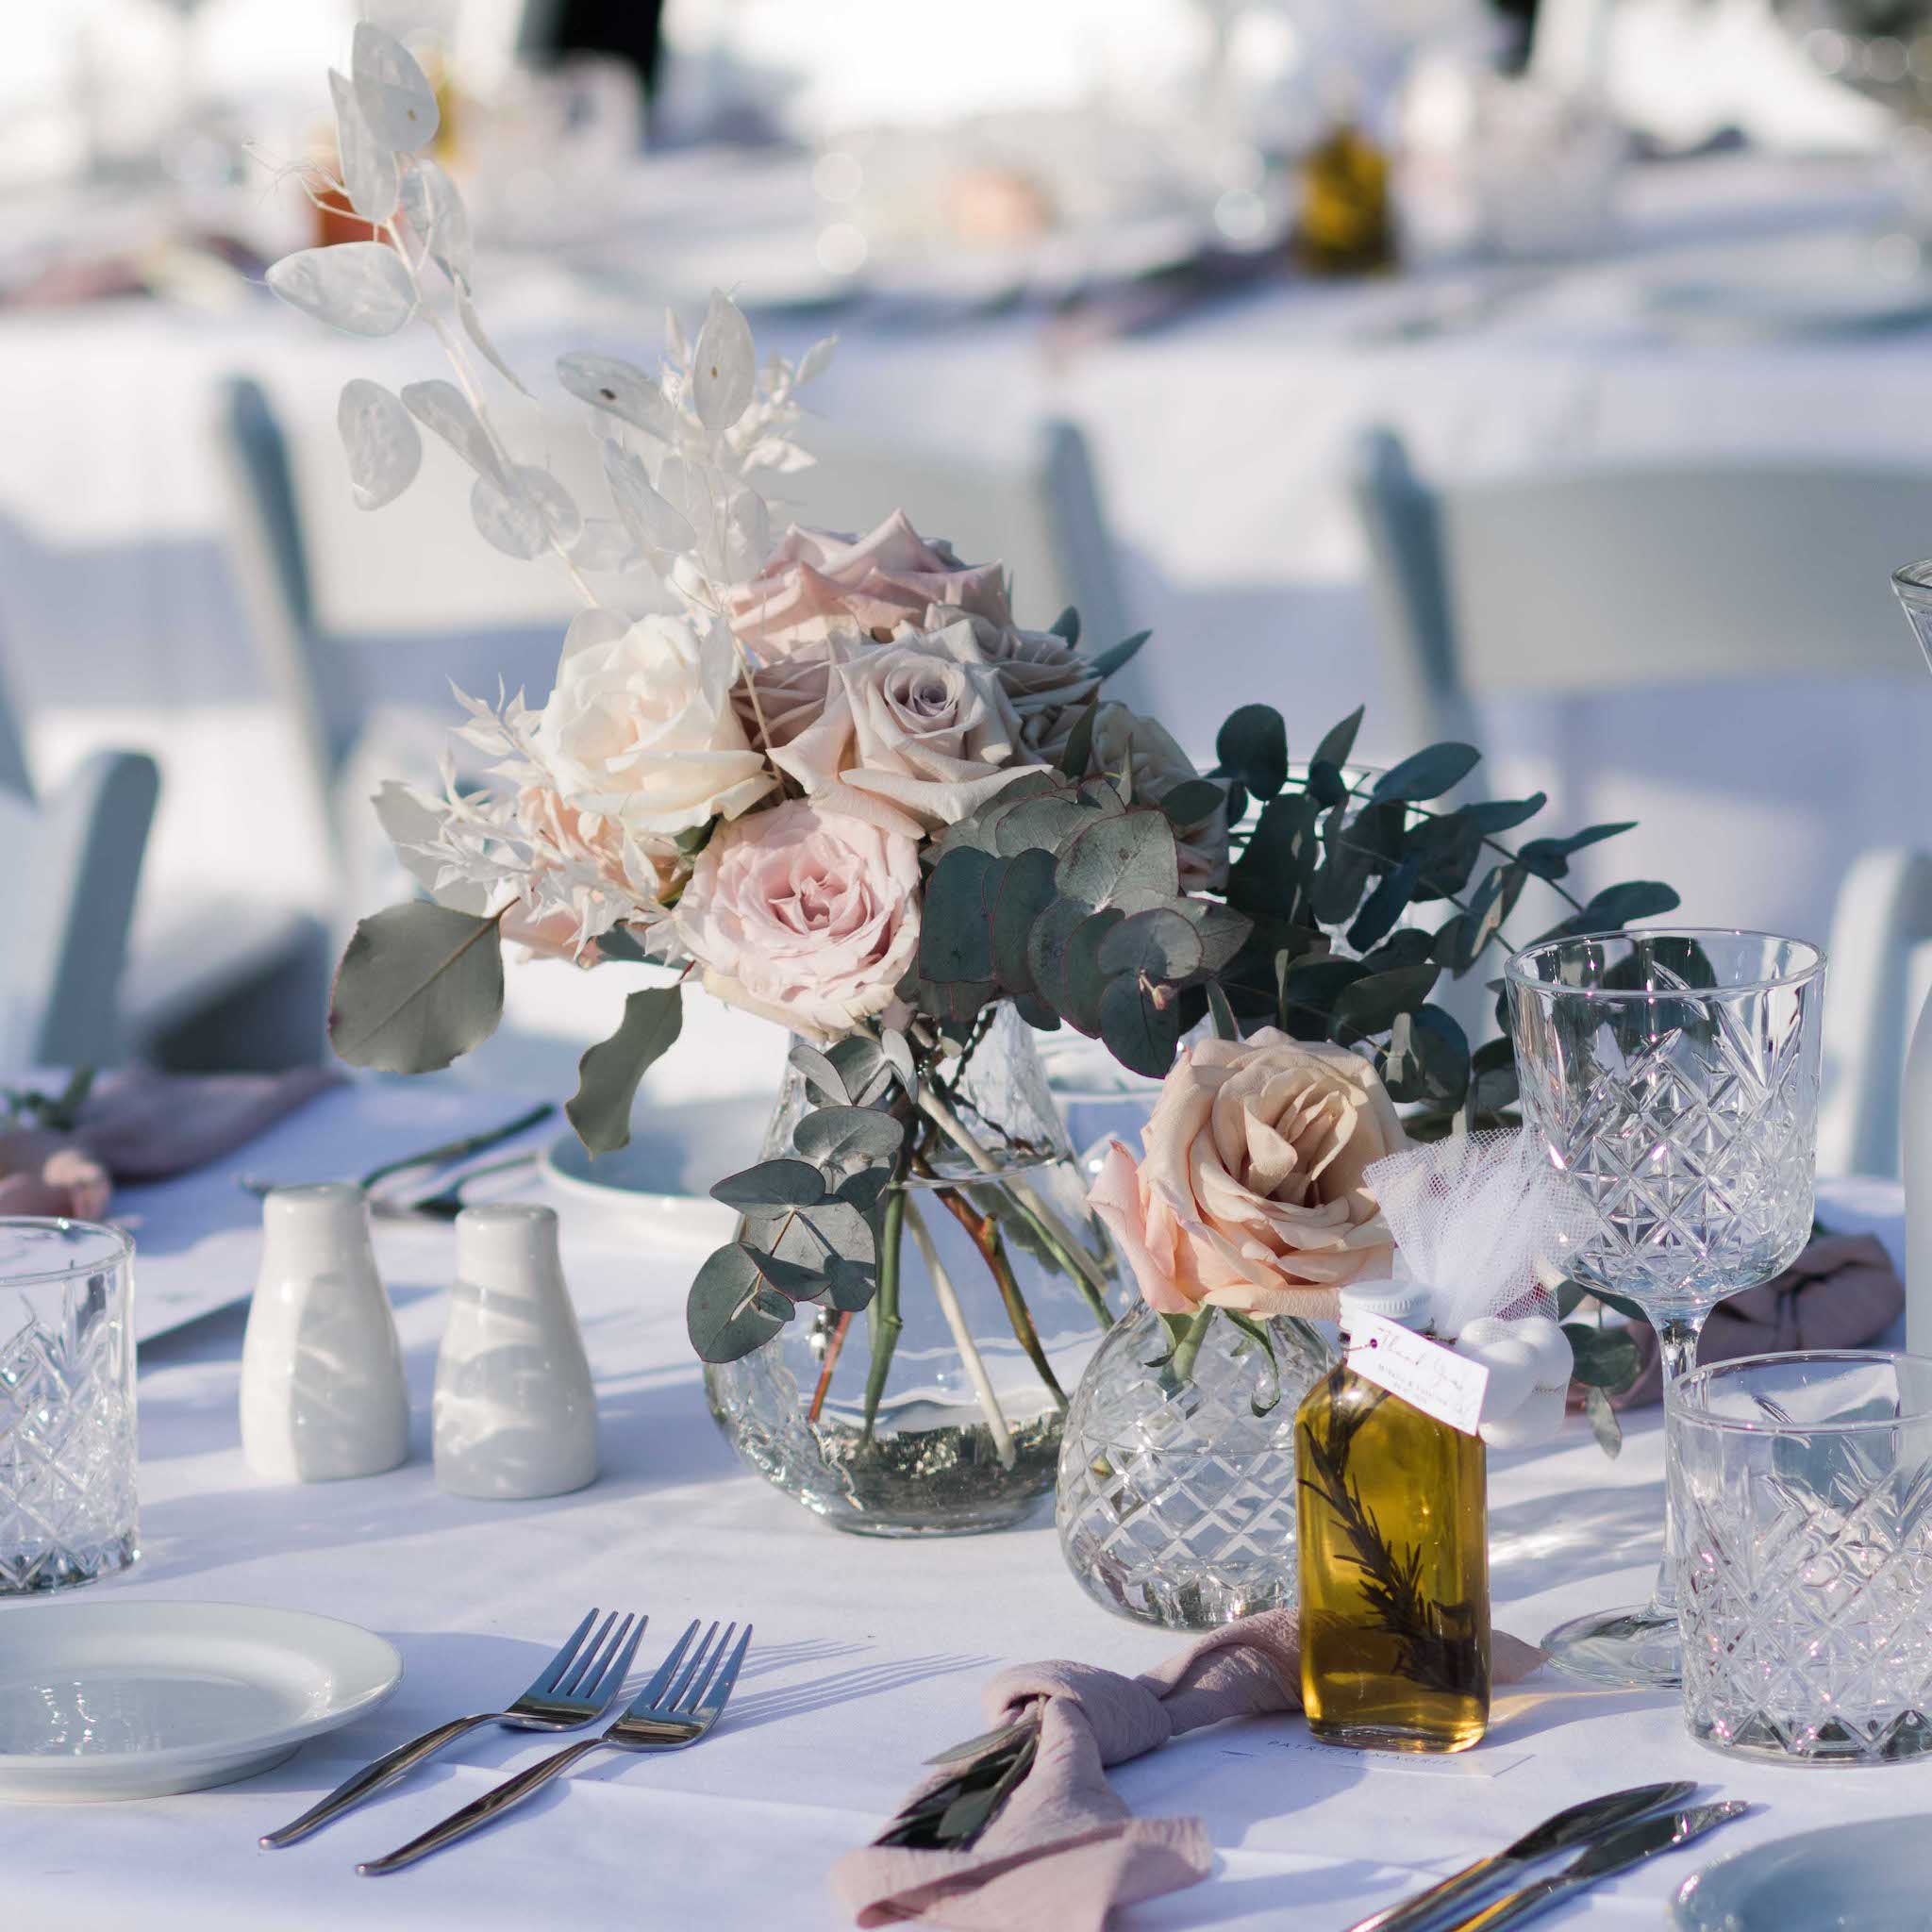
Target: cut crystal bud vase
1176 1490
937 1409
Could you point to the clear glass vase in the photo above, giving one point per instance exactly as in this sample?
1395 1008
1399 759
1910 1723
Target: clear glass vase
1176 1501
937 1411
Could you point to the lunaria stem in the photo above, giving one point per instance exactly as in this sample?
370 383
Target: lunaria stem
948 1299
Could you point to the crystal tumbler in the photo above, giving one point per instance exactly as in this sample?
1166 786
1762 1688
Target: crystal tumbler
1801 1490
67 1447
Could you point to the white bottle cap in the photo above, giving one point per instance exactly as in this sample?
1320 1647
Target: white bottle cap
1406 1302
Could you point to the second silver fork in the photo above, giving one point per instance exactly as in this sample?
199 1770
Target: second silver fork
676 1707
572 1688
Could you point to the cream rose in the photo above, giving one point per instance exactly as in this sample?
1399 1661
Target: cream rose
808 916
642 729
1155 765
914 735
1249 1194
817 584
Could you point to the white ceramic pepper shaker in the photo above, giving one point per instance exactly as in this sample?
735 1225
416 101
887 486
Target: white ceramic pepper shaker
515 1415
323 1395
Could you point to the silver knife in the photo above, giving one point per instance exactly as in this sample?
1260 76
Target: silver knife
1578 1824
1631 1845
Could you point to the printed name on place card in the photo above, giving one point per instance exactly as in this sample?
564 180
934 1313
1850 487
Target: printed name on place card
1425 1374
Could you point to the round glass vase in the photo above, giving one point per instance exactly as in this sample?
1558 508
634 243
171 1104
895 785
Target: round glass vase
1176 1497
937 1409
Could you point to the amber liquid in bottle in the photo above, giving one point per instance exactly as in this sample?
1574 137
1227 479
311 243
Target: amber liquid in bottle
1394 1572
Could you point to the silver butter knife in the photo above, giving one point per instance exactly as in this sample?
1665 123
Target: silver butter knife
1439 1906
1647 1839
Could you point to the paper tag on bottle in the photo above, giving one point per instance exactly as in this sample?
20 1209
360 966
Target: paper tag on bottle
1425 1374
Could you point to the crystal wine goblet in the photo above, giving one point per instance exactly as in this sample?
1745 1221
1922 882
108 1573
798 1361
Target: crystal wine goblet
1673 1076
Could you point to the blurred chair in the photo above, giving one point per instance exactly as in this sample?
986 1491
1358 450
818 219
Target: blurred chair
1578 581
73 868
1881 970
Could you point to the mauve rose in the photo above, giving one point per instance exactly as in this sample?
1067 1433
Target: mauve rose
808 916
791 694
1046 681
1249 1194
817 584
915 735
1155 765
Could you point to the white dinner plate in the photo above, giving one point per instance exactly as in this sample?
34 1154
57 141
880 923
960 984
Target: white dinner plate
134 1700
1874 1876
664 1176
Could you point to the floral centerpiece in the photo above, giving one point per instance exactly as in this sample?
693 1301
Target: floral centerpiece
845 788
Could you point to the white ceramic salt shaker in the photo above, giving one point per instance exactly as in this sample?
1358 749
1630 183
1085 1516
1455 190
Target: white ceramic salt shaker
323 1395
515 1415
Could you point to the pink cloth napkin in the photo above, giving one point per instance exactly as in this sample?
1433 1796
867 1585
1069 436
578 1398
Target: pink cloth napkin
1841 1293
139 1124
1066 1851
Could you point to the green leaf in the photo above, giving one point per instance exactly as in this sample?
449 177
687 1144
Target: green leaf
1339 740
862 1064
1426 1058
1226 1025
1283 851
1495 815
850 1285
863 1188
1078 753
1604 1425
955 941
1083 979
1385 905
897 1050
1122 654
1118 856
616 944
609 1074
798 1281
848 1134
1369 1006
822 1082
1140 1033
1192 802
771 1183
1606 1358
1406 947
418 985
1427 775
1252 746
1549 858
1024 892
1067 624
1157 944
1492 1078
732 1308
1221 931
1615 907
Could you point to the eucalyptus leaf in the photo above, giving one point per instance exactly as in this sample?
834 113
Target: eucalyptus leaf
1252 746
1385 905
848 1134
1024 892
731 1309
1226 1025
1336 747
418 985
609 1074
1606 1358
369 167
1116 856
781 1183
1067 626
1549 858
1119 656
726 366
360 287
381 441
899 1052
1078 754
822 1082
1139 1030
797 1280
1369 1006
862 1065
1158 945
1604 1425
1427 775
1192 802
849 1285
392 92
1085 982
1501 814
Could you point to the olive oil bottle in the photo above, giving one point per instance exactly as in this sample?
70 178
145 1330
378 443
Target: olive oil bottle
1394 1559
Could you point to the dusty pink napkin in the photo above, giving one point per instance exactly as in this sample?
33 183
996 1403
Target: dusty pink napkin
1066 1851
1841 1293
139 1124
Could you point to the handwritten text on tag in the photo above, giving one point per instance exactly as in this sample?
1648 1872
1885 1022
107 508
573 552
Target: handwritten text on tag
1425 1374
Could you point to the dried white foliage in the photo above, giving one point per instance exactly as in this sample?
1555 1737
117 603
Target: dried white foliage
434 209
384 447
607 383
653 522
603 545
472 327
391 90
443 410
507 520
362 287
369 167
726 370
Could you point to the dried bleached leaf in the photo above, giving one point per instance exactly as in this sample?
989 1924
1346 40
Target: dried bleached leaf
652 520
776 453
472 327
434 209
606 382
555 504
598 626
724 374
815 360
362 287
391 90
384 447
508 519
603 544
369 167
442 407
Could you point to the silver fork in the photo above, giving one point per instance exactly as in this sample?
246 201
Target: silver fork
572 1688
675 1708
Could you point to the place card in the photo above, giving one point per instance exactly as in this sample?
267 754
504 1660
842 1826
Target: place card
1425 1374
1459 1764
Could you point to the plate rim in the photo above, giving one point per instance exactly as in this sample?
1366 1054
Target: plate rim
82 1768
1683 1899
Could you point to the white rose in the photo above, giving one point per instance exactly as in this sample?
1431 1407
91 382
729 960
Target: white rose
643 729
915 734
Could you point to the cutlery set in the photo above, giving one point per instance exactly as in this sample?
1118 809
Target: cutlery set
1609 1835
679 1706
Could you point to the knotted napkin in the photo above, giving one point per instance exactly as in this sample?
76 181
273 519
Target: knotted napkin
1841 1293
1066 1850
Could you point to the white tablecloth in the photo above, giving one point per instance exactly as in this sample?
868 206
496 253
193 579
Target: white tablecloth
869 1654
1220 443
